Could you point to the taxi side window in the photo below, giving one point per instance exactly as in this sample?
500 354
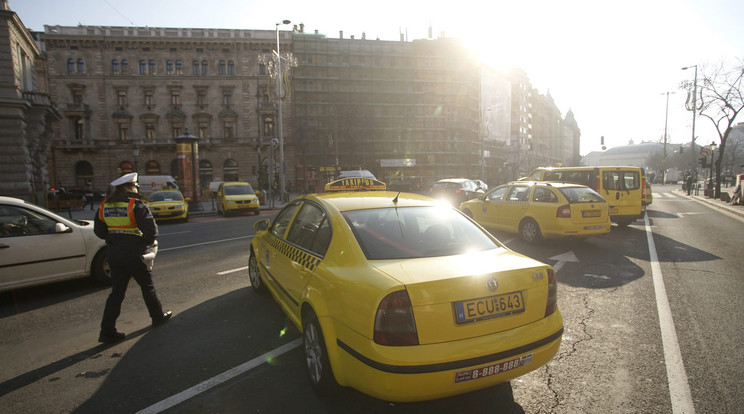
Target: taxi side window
281 222
518 193
544 195
310 229
496 194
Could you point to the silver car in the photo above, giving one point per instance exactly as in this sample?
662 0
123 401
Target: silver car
39 247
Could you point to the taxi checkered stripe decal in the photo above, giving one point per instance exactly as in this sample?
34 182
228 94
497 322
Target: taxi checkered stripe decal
300 256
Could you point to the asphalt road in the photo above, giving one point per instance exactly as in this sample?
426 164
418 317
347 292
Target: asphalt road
229 350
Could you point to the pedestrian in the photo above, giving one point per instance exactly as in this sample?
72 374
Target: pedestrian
688 182
736 197
128 227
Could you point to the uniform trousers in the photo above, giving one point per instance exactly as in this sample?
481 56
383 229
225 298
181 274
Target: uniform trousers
121 272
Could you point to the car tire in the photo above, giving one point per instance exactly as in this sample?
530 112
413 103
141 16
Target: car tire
319 370
530 231
624 222
255 275
100 269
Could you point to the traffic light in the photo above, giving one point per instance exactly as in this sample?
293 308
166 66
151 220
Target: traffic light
703 162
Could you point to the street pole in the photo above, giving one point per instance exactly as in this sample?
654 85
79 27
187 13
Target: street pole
663 159
694 109
280 97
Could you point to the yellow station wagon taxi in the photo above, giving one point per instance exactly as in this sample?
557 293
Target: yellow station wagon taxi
538 210
403 297
236 197
168 205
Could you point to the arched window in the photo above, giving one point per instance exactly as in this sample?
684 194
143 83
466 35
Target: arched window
83 173
230 170
169 67
152 67
230 68
70 65
195 67
204 67
142 66
179 67
206 175
222 68
81 65
115 66
124 65
152 168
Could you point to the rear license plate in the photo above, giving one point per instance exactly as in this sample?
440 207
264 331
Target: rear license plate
473 310
593 227
493 369
591 213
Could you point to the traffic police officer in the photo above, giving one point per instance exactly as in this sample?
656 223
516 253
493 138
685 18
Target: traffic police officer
127 225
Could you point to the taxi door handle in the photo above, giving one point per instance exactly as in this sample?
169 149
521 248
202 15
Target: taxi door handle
300 268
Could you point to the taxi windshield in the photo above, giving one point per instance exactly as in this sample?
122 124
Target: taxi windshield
166 196
238 189
413 232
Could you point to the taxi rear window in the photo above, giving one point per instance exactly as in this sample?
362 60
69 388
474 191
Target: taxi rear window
414 232
581 195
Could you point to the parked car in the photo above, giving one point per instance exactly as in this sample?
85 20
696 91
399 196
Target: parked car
402 297
41 247
168 205
59 198
235 197
539 209
455 190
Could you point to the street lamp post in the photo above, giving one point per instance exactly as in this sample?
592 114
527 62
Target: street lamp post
280 97
135 154
712 185
694 108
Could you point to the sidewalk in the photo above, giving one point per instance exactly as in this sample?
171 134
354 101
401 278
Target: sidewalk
716 203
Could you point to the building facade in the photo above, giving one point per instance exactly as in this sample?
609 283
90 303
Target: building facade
27 114
126 93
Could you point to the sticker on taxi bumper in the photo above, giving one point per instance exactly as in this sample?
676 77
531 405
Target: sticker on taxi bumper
493 369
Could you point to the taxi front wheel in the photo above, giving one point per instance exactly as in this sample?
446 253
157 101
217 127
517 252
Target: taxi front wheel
254 275
530 231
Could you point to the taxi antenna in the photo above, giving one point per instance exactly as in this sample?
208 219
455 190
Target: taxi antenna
395 200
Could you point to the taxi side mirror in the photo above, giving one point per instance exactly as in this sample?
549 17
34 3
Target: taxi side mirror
261 225
188 199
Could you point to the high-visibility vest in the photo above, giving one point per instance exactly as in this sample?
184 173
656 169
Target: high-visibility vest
119 217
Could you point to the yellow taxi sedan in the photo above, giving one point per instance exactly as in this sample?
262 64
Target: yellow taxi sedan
168 205
540 209
402 297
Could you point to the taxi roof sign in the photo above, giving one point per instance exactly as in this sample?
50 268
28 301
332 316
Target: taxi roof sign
355 183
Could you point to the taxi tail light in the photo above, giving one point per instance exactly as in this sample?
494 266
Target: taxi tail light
394 323
596 184
552 293
643 184
564 211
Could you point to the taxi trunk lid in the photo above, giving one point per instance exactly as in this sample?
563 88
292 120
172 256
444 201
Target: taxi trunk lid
470 295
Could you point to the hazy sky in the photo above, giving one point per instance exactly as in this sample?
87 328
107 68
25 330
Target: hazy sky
609 62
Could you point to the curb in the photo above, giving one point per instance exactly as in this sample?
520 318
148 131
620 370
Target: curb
715 203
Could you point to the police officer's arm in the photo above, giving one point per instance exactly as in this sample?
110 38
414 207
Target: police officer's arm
100 228
146 222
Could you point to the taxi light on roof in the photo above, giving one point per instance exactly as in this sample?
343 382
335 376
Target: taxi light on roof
355 183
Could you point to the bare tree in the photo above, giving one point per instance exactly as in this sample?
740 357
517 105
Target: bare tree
721 93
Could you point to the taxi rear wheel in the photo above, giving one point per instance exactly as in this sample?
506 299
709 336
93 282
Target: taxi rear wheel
316 354
530 231
254 275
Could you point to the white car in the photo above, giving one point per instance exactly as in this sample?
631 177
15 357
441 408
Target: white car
39 247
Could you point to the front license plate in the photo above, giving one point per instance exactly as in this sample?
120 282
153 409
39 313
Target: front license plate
591 213
489 307
493 369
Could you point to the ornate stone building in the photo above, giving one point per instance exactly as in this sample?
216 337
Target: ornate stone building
126 93
26 112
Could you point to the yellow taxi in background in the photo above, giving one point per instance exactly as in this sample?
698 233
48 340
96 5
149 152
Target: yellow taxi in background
236 197
168 205
539 209
402 297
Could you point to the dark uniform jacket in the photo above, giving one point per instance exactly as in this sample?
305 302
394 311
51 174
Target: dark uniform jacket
124 247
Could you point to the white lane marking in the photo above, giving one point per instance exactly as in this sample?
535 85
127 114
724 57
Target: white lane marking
204 244
225 272
679 388
219 379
